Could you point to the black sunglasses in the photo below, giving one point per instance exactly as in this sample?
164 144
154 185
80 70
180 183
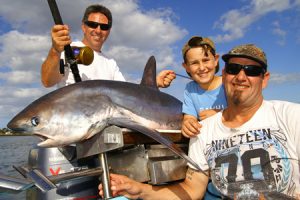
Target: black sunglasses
94 25
250 70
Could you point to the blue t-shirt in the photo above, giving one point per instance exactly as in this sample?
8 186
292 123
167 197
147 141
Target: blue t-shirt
197 99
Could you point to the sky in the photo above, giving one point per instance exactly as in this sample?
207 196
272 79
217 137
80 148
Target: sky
142 28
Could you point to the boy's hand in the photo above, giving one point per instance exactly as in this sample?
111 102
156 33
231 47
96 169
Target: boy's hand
190 126
164 78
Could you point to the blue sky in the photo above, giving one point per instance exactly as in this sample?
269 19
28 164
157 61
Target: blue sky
144 28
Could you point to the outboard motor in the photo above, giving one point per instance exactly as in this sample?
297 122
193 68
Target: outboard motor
51 161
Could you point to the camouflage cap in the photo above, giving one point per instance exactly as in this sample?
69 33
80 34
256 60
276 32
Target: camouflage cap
247 51
197 41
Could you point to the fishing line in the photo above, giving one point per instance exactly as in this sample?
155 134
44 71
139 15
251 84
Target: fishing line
183 76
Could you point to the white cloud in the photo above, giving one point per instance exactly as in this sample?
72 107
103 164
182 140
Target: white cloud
34 16
235 22
20 77
21 51
137 34
284 78
266 6
20 95
14 99
278 31
27 92
149 31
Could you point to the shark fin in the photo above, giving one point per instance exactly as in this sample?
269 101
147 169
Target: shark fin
149 75
124 122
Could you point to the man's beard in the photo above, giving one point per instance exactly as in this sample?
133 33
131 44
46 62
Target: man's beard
237 97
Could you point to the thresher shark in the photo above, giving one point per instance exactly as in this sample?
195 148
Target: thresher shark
93 127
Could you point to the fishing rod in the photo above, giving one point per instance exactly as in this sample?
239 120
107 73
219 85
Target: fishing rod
70 58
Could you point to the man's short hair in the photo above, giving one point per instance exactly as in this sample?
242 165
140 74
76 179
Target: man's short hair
97 8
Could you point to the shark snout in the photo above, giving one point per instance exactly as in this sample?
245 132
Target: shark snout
14 125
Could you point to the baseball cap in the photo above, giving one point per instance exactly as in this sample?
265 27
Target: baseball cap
247 51
197 41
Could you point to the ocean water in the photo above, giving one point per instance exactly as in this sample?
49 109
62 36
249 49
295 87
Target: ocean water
14 151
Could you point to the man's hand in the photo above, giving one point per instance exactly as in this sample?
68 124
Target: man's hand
207 113
50 68
124 186
60 37
193 187
164 78
190 126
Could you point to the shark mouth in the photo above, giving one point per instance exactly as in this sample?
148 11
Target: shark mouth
42 137
45 141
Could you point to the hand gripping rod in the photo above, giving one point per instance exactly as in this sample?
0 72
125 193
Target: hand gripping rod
68 50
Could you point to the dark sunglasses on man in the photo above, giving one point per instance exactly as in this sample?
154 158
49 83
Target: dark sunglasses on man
250 70
95 25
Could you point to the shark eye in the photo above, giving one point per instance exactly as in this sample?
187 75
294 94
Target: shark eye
35 121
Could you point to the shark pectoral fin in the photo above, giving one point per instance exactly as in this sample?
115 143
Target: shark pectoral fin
94 129
125 122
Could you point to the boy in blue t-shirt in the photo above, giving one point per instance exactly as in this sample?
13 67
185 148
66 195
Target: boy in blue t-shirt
204 96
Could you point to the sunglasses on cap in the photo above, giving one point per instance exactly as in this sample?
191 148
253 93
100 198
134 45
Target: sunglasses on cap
250 70
94 25
198 41
195 41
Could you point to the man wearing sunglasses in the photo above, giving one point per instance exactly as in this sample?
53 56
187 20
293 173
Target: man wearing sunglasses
96 26
250 149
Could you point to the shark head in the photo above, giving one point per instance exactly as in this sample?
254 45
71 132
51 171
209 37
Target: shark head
34 120
57 119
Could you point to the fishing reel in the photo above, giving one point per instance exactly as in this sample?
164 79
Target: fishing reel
83 55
